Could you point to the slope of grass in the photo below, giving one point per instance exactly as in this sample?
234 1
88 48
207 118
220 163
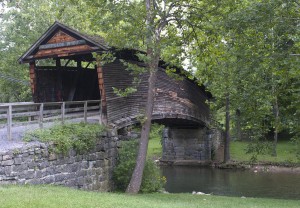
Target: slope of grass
154 148
285 153
53 197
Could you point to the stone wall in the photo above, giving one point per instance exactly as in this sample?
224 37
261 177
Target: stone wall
35 164
186 144
217 138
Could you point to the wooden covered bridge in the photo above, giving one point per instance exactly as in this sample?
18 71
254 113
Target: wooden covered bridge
63 67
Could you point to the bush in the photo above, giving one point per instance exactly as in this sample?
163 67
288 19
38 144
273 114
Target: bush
78 136
152 181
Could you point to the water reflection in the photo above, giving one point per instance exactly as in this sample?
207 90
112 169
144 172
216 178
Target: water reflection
232 182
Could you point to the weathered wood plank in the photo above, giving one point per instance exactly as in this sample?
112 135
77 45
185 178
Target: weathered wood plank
9 122
62 51
85 112
62 44
63 113
32 78
61 36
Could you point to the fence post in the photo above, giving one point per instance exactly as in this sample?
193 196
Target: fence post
9 122
63 112
41 115
85 112
100 113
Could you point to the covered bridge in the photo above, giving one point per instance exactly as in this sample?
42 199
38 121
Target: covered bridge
63 67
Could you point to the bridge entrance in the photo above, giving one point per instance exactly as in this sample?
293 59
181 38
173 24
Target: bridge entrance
59 83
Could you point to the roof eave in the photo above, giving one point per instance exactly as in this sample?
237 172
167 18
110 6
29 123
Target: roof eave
56 24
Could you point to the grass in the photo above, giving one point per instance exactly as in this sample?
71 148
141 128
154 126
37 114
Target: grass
285 153
154 148
62 197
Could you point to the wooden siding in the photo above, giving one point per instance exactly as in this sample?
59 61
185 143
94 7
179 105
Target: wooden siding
176 99
60 36
60 47
119 108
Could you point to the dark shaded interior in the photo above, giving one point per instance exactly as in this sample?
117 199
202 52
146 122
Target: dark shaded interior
67 85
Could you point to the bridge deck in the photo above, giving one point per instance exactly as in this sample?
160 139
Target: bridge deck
19 118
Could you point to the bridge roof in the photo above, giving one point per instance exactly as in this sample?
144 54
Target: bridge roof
70 38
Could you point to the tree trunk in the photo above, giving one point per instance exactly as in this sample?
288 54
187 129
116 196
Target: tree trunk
136 178
227 133
276 129
153 52
238 125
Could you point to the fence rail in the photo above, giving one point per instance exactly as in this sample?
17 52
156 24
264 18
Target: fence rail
18 114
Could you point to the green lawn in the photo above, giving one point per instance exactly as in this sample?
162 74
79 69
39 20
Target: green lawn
154 148
61 197
285 153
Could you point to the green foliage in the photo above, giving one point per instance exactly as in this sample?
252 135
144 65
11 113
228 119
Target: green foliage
104 58
124 93
80 136
152 181
156 132
22 23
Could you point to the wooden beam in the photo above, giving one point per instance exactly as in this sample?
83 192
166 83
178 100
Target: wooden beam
32 75
62 44
67 62
63 51
59 94
9 122
56 68
102 93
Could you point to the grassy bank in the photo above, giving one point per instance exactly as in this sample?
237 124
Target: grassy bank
285 153
53 196
154 148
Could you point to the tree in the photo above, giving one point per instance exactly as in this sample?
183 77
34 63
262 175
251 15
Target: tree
265 33
259 38
22 23
162 28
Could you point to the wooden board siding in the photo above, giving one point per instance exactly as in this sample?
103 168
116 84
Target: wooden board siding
180 99
119 108
60 36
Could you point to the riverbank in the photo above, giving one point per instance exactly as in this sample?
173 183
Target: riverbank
54 196
284 162
260 167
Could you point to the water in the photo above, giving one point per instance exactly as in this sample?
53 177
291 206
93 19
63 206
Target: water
182 179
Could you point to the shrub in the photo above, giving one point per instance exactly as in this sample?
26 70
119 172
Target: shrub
152 181
78 136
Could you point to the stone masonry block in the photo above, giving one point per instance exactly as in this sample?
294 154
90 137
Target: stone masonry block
7 162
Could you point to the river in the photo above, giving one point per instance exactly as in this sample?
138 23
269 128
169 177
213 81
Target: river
182 179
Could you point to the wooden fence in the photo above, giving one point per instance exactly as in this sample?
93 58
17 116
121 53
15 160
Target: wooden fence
21 114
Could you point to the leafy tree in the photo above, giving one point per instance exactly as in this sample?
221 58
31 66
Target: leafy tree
253 43
22 23
162 28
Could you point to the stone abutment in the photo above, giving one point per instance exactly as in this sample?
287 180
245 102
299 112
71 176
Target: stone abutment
35 163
